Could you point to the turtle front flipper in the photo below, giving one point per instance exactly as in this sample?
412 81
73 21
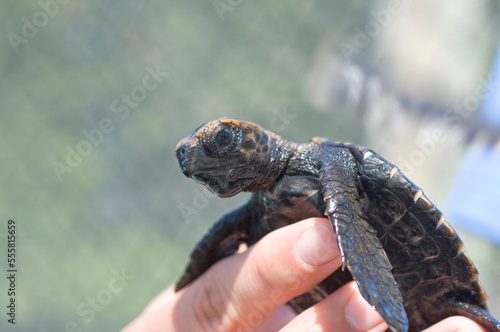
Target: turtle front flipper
222 240
362 253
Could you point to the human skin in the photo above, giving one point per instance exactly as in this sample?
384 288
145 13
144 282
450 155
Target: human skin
247 291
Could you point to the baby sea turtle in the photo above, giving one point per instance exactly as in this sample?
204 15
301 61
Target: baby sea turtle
407 261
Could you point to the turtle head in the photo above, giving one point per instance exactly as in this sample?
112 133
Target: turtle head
228 156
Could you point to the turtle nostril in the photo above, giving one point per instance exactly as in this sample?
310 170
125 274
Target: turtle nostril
181 152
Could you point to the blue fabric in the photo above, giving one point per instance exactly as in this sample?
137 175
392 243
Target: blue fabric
490 110
474 199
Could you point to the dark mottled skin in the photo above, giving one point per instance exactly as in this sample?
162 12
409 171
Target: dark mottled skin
407 261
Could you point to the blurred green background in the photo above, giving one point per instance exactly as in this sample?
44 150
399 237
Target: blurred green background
95 95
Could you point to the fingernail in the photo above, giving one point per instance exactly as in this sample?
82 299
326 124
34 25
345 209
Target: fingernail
316 246
361 315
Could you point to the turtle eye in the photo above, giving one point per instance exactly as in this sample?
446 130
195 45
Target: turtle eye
223 138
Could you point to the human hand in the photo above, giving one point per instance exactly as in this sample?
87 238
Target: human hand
246 292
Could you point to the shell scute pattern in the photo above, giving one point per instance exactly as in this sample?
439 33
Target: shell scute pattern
407 230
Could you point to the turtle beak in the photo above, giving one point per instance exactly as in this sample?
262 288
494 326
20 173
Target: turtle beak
183 152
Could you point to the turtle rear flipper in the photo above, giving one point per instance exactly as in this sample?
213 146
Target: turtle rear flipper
359 246
222 240
474 312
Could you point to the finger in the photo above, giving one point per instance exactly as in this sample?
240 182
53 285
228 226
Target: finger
345 310
240 292
456 324
278 319
157 315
